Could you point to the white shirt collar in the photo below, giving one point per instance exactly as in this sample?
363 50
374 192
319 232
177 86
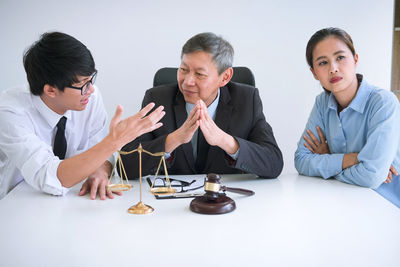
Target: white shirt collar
48 114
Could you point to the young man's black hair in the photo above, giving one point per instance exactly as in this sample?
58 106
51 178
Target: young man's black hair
56 59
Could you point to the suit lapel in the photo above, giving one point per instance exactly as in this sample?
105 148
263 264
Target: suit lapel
224 111
180 118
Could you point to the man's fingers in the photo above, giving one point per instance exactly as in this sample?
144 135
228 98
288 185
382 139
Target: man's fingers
207 116
158 114
206 130
110 194
117 115
193 113
201 126
93 189
84 189
201 103
204 115
208 126
155 116
102 191
146 109
194 117
204 111
192 129
153 127
189 127
148 123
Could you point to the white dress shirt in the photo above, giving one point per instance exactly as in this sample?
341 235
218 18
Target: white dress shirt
27 132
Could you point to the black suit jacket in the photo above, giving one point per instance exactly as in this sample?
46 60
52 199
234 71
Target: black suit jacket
239 113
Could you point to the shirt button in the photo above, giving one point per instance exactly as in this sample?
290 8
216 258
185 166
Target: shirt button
340 125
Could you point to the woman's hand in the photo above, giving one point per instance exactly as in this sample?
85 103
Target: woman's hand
392 171
314 145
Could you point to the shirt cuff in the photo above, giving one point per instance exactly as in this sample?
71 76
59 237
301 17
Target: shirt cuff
52 184
334 165
234 156
113 158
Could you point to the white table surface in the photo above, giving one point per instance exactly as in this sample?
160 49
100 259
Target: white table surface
290 221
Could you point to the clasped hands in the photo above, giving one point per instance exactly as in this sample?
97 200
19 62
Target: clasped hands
321 147
199 118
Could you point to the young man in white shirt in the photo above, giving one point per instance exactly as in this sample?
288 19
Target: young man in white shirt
54 135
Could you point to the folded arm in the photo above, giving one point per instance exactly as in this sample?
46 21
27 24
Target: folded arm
308 163
377 155
369 167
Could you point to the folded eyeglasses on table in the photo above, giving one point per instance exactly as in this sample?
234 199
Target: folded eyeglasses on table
183 187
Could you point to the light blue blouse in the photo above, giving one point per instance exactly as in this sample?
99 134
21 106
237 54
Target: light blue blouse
370 126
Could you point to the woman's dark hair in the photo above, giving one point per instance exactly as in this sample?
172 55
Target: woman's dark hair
323 34
56 59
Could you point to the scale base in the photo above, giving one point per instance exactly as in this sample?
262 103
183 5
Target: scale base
221 205
140 208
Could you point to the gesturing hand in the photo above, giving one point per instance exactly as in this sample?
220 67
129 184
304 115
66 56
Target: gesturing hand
314 145
123 131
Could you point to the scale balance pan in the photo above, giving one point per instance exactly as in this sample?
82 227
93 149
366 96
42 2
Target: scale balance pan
119 187
161 191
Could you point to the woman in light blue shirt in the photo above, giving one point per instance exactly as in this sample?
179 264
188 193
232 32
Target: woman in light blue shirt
353 132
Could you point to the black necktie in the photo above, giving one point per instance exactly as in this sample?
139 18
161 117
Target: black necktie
60 143
202 150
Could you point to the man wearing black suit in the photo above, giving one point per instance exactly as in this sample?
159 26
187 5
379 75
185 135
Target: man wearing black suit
211 124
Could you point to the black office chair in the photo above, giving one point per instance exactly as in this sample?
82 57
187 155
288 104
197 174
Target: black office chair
168 76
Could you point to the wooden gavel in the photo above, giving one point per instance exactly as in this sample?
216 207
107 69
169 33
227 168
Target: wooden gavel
212 186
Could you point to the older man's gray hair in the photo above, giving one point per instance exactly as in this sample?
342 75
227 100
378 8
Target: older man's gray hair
220 50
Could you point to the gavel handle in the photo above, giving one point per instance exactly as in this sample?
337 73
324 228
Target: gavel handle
238 190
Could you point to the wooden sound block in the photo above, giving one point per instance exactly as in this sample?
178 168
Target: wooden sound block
220 205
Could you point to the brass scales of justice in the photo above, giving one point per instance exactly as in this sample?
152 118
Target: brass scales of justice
140 208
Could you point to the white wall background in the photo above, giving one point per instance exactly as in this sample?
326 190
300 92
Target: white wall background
130 40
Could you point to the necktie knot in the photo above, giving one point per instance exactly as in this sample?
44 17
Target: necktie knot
61 123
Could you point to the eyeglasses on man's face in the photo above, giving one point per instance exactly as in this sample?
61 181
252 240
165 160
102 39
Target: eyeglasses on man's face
85 88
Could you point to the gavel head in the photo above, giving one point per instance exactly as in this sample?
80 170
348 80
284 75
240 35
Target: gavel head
212 186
